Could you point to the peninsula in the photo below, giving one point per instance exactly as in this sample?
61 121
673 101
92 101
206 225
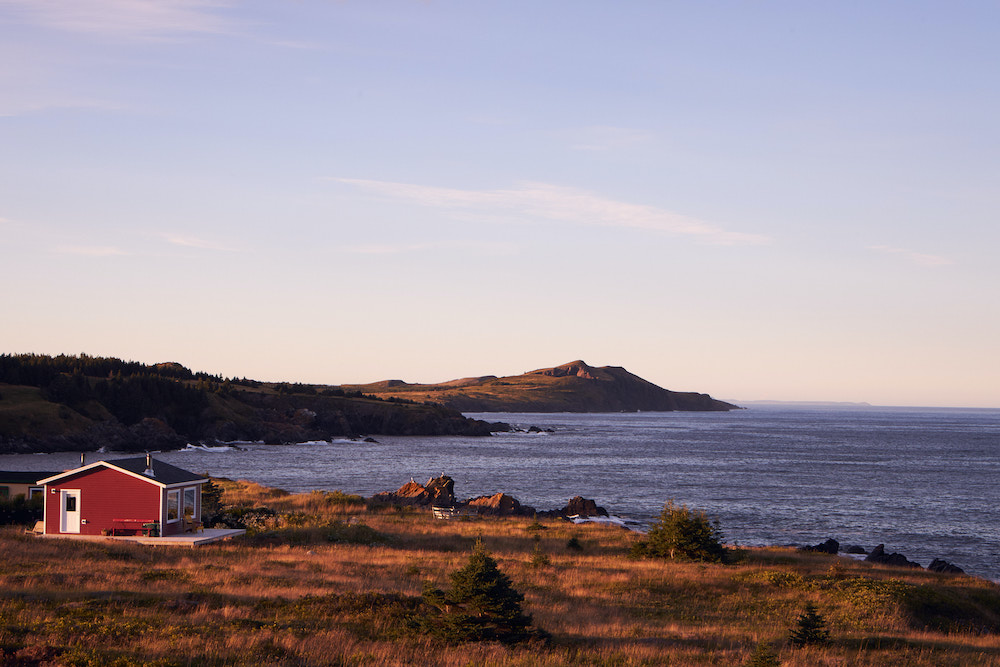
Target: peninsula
572 387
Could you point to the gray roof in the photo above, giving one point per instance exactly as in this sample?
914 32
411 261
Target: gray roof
23 476
164 474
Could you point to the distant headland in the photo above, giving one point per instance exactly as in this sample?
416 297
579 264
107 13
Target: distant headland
83 403
572 387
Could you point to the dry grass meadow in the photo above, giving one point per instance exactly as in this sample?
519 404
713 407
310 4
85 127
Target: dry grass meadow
327 580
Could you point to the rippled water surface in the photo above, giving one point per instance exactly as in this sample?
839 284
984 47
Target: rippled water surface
924 482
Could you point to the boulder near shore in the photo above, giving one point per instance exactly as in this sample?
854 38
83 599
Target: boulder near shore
440 492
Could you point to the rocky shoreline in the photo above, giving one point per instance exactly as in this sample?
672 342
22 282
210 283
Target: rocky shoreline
439 494
879 556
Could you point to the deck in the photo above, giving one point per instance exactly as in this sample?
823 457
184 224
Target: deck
184 539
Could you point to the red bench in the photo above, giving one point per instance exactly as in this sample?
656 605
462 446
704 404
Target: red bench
134 527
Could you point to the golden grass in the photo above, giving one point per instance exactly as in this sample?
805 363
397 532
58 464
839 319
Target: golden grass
288 596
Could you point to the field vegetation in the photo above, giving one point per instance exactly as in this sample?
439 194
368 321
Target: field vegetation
328 579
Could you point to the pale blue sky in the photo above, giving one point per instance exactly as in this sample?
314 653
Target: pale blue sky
768 200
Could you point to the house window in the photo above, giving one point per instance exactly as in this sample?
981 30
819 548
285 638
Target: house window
189 502
35 491
173 505
4 491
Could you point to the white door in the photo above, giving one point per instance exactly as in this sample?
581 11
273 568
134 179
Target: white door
70 513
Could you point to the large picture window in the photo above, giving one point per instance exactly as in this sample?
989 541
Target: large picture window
190 510
173 505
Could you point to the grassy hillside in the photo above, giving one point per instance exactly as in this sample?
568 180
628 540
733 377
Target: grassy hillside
83 403
572 387
324 579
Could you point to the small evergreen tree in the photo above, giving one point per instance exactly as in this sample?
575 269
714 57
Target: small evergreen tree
762 656
810 628
482 605
683 534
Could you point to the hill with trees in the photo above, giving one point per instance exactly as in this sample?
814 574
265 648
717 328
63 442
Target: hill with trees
82 403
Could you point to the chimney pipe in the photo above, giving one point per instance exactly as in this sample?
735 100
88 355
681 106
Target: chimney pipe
83 459
149 466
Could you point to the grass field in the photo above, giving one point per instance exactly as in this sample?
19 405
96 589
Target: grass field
326 580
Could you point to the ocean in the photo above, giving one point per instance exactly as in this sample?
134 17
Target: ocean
922 481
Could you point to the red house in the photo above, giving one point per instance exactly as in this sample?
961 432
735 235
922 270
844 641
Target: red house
123 497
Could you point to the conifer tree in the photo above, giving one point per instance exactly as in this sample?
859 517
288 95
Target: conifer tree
683 534
762 656
810 628
482 604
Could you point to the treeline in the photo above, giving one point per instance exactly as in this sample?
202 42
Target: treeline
40 370
129 406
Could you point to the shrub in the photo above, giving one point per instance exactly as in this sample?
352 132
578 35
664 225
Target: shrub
762 656
539 558
19 510
482 605
683 534
810 628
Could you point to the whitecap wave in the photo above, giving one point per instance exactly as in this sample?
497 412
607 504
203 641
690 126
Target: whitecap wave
333 441
608 520
206 448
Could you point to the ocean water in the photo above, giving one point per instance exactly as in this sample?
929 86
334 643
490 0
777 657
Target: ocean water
922 481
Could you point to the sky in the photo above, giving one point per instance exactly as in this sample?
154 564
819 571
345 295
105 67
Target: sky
766 200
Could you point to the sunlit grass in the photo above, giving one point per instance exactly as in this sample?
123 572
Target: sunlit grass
330 581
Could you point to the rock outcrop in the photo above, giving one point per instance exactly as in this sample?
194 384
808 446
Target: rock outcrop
939 565
831 546
499 504
878 555
439 491
577 506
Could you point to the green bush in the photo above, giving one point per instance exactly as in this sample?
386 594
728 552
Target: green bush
762 656
21 511
482 604
683 534
810 628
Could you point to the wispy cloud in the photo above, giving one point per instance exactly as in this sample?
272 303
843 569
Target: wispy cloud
554 203
91 250
919 258
133 19
406 248
199 243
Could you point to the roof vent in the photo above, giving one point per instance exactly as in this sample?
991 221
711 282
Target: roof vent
148 472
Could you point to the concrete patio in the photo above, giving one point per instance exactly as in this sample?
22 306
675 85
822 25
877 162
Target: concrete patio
186 539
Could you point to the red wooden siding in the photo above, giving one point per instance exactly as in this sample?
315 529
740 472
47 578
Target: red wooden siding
105 494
